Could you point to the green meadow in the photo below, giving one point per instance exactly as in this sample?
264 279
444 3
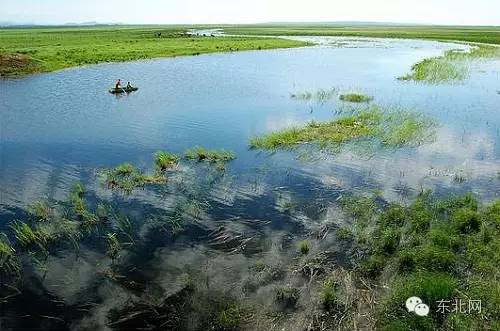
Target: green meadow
489 35
30 50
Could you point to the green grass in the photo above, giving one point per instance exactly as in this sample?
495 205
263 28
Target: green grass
436 249
126 177
201 154
31 50
481 34
454 65
165 160
40 210
304 247
329 297
114 246
27 237
390 127
355 97
9 263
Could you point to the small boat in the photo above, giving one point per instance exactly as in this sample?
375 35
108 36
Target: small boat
123 90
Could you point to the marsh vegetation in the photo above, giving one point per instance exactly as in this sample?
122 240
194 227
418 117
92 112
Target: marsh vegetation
204 241
355 97
454 65
390 127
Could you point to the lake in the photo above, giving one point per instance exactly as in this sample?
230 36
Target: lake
63 127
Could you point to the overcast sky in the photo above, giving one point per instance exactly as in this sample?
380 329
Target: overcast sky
460 12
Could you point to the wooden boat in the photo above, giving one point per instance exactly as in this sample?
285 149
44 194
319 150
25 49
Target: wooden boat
123 90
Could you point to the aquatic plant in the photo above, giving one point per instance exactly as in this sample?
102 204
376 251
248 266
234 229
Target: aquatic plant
304 247
40 210
28 237
127 177
77 199
355 97
165 160
391 127
9 263
454 65
444 240
114 246
214 156
62 230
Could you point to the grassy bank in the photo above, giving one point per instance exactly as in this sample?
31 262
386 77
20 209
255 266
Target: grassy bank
31 50
490 35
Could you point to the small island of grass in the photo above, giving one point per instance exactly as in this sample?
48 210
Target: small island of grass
389 127
355 97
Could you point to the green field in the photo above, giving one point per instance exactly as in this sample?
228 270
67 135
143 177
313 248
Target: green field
42 49
490 35
31 50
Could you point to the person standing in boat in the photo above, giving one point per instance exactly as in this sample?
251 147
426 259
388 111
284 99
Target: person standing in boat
118 84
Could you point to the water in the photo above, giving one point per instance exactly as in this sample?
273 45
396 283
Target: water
63 127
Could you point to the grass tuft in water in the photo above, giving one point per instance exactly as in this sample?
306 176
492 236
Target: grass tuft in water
27 237
355 97
114 246
40 210
391 127
201 154
304 247
165 160
126 177
9 264
454 65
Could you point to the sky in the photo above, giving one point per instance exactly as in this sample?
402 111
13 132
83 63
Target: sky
454 12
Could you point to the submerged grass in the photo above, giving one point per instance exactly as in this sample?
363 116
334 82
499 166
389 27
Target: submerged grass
320 96
355 97
454 65
390 127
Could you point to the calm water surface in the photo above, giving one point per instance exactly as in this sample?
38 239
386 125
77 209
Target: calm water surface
62 127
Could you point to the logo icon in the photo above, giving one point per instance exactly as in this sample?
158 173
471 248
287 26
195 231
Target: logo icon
415 304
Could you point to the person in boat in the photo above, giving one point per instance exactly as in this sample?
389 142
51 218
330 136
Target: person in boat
118 84
128 86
